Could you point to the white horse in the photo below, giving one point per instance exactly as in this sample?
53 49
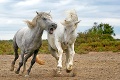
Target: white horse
29 39
64 36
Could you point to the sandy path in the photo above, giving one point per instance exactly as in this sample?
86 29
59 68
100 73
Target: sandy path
92 66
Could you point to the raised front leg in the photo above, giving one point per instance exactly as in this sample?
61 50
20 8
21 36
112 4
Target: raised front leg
69 57
53 52
60 52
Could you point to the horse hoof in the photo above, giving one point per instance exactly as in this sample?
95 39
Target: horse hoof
68 71
59 69
17 72
12 69
26 75
58 72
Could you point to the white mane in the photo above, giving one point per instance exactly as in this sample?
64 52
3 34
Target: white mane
71 15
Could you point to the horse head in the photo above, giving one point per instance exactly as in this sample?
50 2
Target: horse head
43 20
71 20
70 23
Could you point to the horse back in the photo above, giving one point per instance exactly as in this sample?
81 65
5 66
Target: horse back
18 37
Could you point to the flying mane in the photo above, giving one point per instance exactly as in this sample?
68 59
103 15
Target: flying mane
72 15
32 24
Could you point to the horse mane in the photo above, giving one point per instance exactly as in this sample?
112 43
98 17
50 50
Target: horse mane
31 24
72 15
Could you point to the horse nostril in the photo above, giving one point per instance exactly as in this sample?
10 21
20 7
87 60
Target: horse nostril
54 25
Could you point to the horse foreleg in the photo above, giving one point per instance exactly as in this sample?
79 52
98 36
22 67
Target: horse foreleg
70 56
59 66
25 60
67 57
20 63
59 61
32 61
54 53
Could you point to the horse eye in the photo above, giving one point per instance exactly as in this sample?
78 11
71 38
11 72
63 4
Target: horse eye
65 29
44 19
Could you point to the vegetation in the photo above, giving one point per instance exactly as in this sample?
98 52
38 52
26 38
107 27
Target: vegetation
6 47
98 38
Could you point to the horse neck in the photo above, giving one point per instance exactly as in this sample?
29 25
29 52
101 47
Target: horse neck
38 31
73 32
70 37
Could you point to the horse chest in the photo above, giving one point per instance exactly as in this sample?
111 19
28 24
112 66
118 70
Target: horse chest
71 40
51 41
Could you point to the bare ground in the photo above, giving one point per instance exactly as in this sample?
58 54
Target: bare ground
92 66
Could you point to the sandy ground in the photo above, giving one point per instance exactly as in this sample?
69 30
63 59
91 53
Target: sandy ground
92 66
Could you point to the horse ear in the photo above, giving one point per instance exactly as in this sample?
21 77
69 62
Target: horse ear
66 21
49 12
77 22
63 23
37 12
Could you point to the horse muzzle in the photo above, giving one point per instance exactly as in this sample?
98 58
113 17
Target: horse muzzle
52 28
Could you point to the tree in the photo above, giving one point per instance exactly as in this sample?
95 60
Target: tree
97 33
105 31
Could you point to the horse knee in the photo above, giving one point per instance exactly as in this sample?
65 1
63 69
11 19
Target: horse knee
20 64
60 51
16 57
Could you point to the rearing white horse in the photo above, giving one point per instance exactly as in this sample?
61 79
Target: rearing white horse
64 35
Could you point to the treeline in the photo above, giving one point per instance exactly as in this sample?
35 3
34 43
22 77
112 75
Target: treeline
98 38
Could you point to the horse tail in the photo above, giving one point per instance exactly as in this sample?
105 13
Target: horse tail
14 42
15 47
39 61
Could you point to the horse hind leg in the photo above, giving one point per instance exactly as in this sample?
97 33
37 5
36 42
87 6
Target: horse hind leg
16 55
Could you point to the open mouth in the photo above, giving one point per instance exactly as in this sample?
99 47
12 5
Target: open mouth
51 30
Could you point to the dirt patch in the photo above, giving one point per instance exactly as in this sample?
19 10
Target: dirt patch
92 66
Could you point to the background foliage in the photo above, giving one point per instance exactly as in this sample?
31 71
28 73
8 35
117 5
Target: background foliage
98 38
